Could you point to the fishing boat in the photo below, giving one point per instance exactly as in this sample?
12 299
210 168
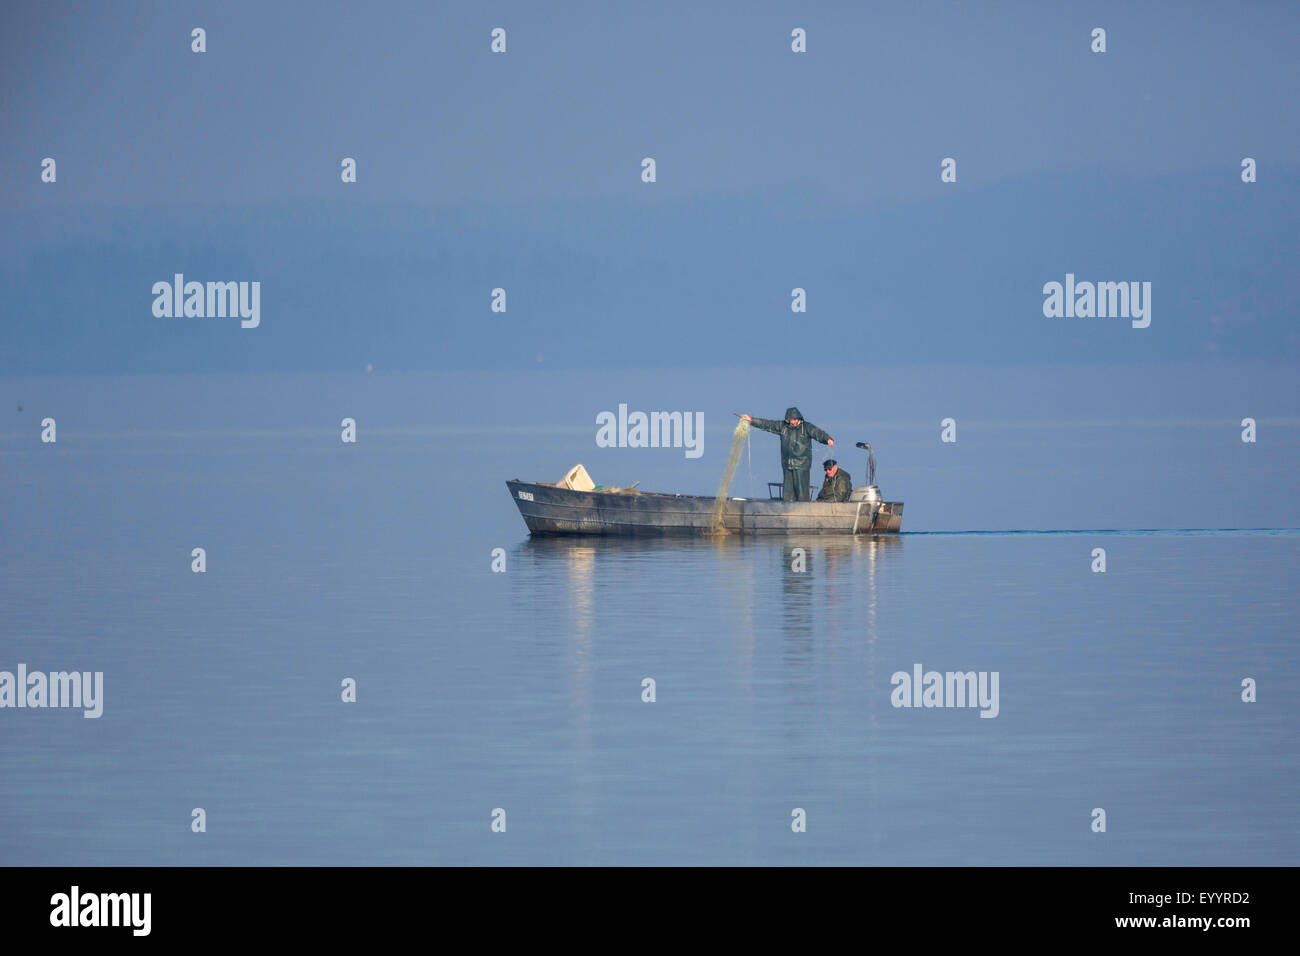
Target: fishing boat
558 508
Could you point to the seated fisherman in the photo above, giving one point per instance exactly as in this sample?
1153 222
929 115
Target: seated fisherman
838 485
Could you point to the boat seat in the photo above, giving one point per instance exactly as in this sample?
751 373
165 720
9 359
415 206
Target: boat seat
776 490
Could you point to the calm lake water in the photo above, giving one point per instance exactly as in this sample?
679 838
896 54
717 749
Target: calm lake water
522 690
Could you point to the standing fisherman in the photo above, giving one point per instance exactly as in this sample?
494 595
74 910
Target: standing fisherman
797 437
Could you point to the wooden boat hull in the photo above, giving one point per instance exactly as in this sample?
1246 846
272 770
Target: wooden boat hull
548 509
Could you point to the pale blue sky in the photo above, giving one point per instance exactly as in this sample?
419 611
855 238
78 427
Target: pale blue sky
775 170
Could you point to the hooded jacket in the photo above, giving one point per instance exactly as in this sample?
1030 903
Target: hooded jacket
796 441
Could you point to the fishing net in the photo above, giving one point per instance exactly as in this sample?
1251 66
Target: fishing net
737 442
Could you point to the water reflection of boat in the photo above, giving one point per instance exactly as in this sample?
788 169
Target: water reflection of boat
550 509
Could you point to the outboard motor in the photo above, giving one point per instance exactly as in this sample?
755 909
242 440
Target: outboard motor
868 492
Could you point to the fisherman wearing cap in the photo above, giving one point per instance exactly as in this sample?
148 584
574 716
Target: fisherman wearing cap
838 485
797 437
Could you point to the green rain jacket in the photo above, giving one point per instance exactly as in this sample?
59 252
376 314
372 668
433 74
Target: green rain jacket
839 488
796 443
